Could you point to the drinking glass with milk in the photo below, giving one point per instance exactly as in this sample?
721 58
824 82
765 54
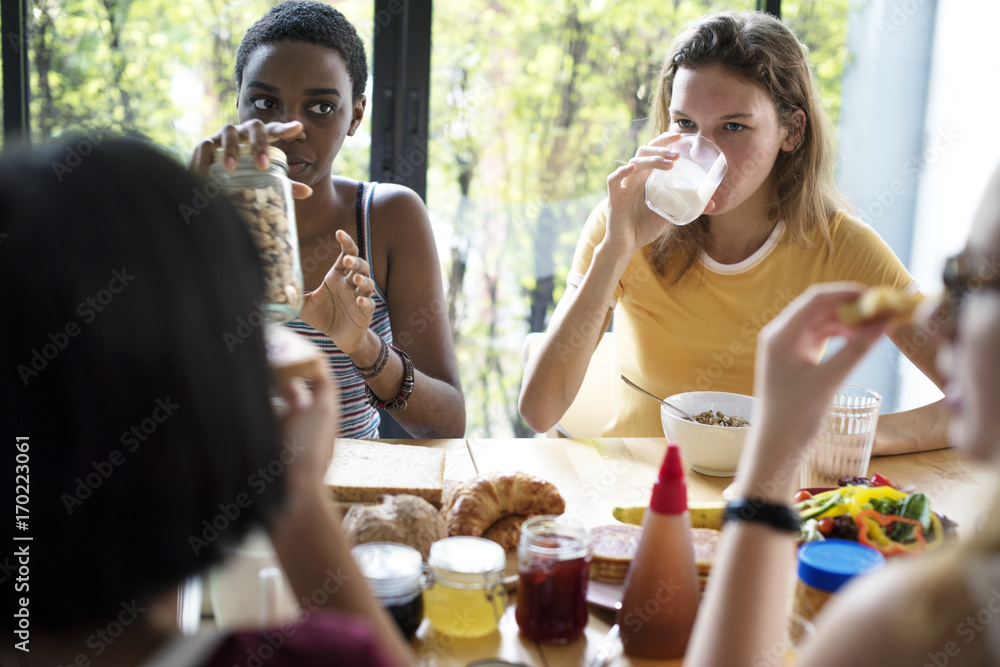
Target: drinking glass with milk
680 194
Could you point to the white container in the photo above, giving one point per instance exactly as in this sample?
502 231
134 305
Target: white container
709 450
249 590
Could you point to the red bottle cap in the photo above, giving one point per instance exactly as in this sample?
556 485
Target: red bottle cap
670 490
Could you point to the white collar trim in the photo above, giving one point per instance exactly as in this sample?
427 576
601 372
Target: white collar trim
753 260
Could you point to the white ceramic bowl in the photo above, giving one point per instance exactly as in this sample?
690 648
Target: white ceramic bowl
710 450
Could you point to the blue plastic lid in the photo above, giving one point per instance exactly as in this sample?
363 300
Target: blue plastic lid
830 564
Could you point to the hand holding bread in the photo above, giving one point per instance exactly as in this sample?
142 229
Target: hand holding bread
878 302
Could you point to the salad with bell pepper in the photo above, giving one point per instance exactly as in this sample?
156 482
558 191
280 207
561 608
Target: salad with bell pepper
874 512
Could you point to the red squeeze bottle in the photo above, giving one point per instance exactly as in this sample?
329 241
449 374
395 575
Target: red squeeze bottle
661 589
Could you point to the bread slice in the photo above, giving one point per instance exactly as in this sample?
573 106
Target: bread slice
879 301
360 471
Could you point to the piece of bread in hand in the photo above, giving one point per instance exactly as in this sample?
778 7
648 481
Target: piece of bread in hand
290 355
878 302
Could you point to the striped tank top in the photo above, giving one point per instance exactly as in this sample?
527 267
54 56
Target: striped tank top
358 418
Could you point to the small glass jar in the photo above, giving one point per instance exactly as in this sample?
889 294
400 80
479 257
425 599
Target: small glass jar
553 563
264 200
464 593
824 567
394 573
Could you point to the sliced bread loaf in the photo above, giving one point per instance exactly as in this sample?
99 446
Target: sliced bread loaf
360 471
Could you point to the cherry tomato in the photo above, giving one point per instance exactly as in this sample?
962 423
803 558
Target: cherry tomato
879 479
802 495
825 525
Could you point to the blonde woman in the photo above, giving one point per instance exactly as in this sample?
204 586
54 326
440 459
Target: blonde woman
935 611
691 300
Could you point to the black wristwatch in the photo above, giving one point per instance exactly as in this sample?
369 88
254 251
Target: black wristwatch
757 510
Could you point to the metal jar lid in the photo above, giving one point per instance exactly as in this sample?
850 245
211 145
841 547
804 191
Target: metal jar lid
391 569
466 561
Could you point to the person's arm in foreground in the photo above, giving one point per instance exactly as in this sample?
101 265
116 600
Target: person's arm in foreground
307 537
747 599
555 372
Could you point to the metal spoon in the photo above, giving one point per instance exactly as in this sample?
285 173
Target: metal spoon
651 395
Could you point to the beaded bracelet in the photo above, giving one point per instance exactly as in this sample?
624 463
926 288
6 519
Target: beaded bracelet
398 403
369 372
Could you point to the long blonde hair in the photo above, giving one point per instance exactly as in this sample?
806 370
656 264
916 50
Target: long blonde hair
759 48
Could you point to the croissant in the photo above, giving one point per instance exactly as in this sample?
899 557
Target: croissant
506 531
474 505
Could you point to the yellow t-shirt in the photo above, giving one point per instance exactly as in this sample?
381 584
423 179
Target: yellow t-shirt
700 334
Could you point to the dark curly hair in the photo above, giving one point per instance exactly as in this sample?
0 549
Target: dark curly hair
312 22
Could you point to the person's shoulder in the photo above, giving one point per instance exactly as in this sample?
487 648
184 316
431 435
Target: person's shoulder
844 226
396 199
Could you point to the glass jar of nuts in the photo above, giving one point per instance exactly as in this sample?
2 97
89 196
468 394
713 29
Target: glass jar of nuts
264 200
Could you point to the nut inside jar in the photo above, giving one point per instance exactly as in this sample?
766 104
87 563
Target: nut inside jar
263 199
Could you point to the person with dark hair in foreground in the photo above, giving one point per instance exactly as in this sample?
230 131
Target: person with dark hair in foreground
374 295
138 427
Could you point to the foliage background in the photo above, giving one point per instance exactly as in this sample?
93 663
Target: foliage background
532 105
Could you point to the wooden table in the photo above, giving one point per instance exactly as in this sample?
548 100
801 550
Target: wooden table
595 475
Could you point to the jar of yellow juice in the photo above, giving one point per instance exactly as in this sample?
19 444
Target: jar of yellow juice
464 594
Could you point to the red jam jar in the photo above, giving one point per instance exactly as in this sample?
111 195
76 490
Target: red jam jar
553 562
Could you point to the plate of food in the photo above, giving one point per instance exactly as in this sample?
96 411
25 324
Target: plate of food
614 546
874 512
605 595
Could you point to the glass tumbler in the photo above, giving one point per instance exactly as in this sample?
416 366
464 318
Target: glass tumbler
845 438
681 193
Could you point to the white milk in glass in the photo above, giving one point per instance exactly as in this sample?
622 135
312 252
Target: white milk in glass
678 200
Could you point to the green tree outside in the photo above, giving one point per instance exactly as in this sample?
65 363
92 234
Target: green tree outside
532 105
